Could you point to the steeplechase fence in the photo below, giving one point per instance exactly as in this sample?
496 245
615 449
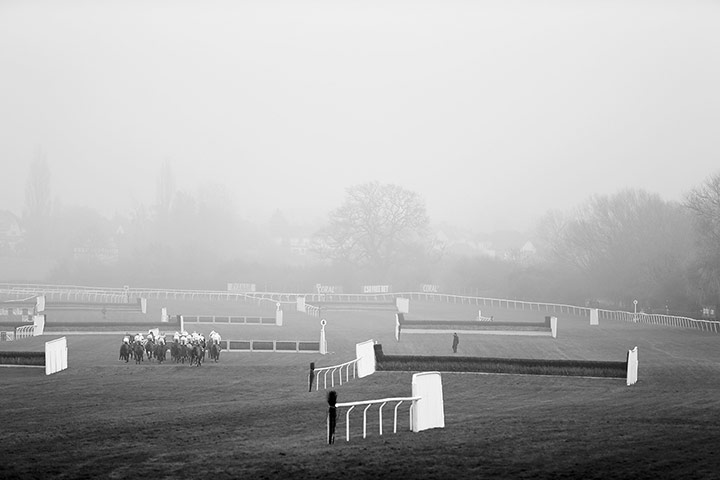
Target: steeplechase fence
362 366
548 328
53 359
426 407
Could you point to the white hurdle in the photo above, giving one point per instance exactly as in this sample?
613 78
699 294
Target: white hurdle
56 356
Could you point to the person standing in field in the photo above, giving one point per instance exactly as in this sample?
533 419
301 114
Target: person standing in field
456 341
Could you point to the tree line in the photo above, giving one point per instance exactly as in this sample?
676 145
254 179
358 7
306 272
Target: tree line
608 251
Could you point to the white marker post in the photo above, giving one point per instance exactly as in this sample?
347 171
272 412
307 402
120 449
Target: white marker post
323 340
278 315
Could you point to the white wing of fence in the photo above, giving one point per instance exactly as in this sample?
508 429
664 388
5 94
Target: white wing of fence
382 402
26 331
324 371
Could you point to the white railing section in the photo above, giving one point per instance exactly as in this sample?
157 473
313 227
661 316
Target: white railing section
7 336
664 320
312 310
483 319
26 331
335 368
382 402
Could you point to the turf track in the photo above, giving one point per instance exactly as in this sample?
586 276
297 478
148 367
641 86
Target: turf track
250 416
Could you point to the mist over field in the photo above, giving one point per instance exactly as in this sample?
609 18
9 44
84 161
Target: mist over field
198 143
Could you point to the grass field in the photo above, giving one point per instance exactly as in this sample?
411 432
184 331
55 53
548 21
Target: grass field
250 416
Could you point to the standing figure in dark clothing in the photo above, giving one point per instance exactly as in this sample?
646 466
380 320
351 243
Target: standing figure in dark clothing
456 341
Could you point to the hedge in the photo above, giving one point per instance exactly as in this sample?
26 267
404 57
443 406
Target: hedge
418 363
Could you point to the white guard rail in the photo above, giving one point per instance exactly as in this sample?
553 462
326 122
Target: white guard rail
382 402
26 331
335 368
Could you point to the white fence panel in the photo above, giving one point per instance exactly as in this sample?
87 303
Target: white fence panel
56 356
632 366
403 305
429 410
365 354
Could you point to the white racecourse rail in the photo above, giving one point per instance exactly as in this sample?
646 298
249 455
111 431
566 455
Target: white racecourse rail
56 356
121 295
362 366
426 411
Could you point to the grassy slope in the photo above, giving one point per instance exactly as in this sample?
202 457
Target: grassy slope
250 417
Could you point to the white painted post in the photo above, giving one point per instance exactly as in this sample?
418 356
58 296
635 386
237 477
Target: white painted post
553 326
300 304
594 316
429 410
278 315
164 315
632 366
143 305
323 340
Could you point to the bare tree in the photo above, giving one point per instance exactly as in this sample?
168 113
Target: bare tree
704 203
376 226
628 245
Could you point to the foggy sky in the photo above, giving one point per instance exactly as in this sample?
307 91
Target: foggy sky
494 111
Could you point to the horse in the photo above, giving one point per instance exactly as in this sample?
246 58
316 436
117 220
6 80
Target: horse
175 352
196 355
215 352
138 352
149 349
125 352
160 352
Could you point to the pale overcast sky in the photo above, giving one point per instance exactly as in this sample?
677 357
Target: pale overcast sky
494 111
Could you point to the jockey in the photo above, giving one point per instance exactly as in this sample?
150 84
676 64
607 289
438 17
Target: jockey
126 339
215 337
139 338
161 340
150 336
176 337
183 339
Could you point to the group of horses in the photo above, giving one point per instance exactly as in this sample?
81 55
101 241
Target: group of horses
193 353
